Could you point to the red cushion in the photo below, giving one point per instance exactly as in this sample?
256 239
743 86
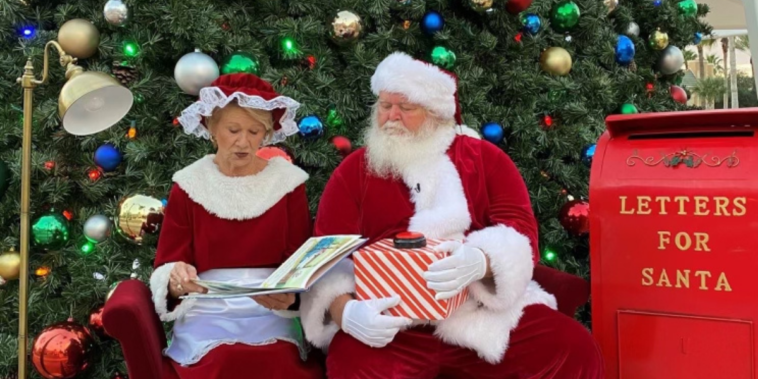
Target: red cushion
130 317
571 291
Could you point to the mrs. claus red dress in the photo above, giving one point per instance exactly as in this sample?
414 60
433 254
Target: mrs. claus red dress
234 229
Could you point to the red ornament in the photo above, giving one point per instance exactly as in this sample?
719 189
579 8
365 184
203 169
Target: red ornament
518 37
547 121
50 165
96 321
226 26
62 350
678 94
311 61
176 121
68 214
575 217
343 145
94 174
119 375
650 87
515 7
269 152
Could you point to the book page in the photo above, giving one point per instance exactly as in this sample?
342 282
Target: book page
312 255
295 273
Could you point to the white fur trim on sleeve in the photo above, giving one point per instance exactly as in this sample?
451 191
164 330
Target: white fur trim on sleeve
314 304
159 288
510 255
422 83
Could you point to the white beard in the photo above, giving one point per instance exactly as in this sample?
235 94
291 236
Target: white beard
391 149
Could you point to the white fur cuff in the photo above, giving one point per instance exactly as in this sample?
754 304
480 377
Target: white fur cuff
510 256
314 304
159 287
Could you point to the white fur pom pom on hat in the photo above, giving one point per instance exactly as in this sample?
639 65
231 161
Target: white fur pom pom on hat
422 83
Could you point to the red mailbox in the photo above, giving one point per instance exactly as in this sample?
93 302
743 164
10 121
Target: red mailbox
674 245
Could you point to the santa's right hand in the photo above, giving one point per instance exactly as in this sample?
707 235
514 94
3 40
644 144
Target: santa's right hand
363 319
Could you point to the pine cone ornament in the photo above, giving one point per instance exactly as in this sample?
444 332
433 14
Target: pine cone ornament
124 73
633 66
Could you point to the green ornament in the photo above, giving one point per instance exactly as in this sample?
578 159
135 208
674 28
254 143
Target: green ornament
687 8
628 108
443 57
139 99
333 119
50 231
240 61
565 15
5 178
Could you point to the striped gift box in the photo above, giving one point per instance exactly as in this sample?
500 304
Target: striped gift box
381 270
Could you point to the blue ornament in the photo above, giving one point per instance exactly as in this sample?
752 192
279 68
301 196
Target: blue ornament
657 3
432 22
698 38
311 127
107 157
587 154
532 23
493 132
164 202
624 50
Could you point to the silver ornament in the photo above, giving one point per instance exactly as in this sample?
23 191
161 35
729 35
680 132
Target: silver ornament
671 60
116 12
632 30
98 276
97 228
194 71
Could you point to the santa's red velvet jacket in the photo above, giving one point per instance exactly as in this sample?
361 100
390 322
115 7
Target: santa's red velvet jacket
470 189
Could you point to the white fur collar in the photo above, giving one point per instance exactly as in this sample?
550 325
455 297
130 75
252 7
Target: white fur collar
437 192
239 198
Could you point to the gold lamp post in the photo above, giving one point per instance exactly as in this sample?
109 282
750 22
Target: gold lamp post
89 102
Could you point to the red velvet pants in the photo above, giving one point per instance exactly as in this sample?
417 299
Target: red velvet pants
545 345
276 361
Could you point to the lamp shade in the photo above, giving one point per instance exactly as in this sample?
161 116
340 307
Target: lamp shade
91 102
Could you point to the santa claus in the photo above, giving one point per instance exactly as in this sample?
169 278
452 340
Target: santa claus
422 171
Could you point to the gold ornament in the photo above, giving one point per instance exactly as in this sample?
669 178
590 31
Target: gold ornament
10 265
346 27
79 38
556 61
611 4
659 40
139 215
481 5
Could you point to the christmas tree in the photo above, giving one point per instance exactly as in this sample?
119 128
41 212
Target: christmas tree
536 78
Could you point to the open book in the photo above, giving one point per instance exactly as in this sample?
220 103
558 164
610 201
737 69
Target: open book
297 274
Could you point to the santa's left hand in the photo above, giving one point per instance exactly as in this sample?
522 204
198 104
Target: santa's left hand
449 276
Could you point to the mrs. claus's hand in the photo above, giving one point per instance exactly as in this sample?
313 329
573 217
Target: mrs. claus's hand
449 276
276 302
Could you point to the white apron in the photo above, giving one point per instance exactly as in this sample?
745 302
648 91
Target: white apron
214 322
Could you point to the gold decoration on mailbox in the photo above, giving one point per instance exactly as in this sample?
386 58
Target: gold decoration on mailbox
684 157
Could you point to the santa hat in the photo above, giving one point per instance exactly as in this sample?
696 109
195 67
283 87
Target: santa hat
422 83
249 91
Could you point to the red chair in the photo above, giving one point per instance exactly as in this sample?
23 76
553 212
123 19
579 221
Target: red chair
130 318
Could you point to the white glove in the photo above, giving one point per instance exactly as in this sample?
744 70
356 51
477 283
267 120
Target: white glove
363 319
451 275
